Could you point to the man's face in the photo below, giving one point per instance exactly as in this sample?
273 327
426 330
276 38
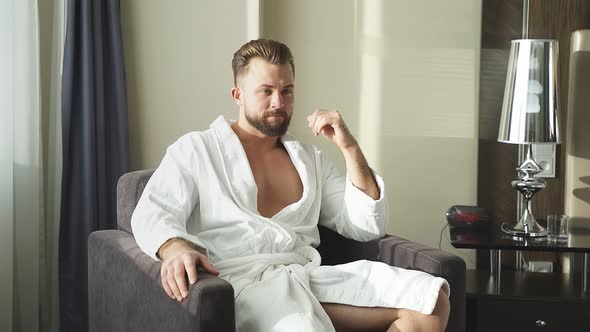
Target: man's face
265 94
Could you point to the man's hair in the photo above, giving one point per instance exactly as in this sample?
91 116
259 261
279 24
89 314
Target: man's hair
272 51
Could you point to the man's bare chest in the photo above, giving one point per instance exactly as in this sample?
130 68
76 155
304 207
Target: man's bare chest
278 183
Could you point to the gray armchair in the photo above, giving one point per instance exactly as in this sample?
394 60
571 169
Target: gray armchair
125 293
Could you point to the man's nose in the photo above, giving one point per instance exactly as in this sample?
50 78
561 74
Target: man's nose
277 101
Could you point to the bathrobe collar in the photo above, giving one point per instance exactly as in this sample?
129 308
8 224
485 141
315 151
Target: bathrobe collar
241 179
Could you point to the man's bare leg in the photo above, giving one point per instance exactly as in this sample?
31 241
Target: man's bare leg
351 318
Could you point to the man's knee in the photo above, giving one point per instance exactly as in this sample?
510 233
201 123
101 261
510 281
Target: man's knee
437 321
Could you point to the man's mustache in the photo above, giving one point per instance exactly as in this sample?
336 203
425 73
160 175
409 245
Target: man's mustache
276 113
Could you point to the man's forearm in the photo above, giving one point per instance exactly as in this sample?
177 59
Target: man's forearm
359 172
329 123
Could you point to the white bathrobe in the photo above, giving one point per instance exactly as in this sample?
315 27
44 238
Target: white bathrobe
204 192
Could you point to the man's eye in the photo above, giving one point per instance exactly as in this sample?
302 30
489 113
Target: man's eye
265 91
288 91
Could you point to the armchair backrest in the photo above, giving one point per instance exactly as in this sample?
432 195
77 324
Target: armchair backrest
129 190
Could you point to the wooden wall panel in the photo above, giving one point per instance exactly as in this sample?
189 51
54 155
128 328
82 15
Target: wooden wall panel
502 22
557 20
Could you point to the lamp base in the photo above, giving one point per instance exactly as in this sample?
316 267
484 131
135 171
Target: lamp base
518 231
527 185
526 227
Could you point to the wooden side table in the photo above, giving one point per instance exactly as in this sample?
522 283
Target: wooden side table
525 301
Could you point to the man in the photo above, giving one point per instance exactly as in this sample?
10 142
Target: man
243 199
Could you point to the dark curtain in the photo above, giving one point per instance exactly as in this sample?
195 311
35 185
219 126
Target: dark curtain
95 144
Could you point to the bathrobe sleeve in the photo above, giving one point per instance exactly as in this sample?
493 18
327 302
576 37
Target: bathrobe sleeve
348 210
168 200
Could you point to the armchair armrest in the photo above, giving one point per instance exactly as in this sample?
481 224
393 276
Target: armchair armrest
403 253
125 292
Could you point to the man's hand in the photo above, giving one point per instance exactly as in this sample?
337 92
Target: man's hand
330 124
179 259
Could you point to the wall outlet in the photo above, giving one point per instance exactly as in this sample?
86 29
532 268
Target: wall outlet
540 266
545 156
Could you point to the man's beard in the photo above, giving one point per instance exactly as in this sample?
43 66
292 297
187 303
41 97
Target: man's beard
261 123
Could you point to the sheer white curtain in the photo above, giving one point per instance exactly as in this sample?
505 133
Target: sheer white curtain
30 165
6 161
53 27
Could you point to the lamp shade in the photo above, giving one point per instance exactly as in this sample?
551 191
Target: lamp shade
529 110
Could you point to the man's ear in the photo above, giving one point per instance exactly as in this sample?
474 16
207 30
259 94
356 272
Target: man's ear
235 94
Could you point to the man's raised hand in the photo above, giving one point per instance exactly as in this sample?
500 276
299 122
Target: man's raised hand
180 260
330 124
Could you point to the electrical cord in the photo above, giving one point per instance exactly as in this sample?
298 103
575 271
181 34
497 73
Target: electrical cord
449 241
441 235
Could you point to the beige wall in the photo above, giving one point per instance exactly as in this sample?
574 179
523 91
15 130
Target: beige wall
403 74
178 59
577 172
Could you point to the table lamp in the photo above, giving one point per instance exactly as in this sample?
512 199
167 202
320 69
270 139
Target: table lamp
530 116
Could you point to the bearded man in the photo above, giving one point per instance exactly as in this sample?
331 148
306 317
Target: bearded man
243 200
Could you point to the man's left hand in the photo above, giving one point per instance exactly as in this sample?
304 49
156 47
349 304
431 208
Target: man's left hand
330 124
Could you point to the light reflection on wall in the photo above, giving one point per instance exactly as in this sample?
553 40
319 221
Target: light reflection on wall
417 67
369 40
253 21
